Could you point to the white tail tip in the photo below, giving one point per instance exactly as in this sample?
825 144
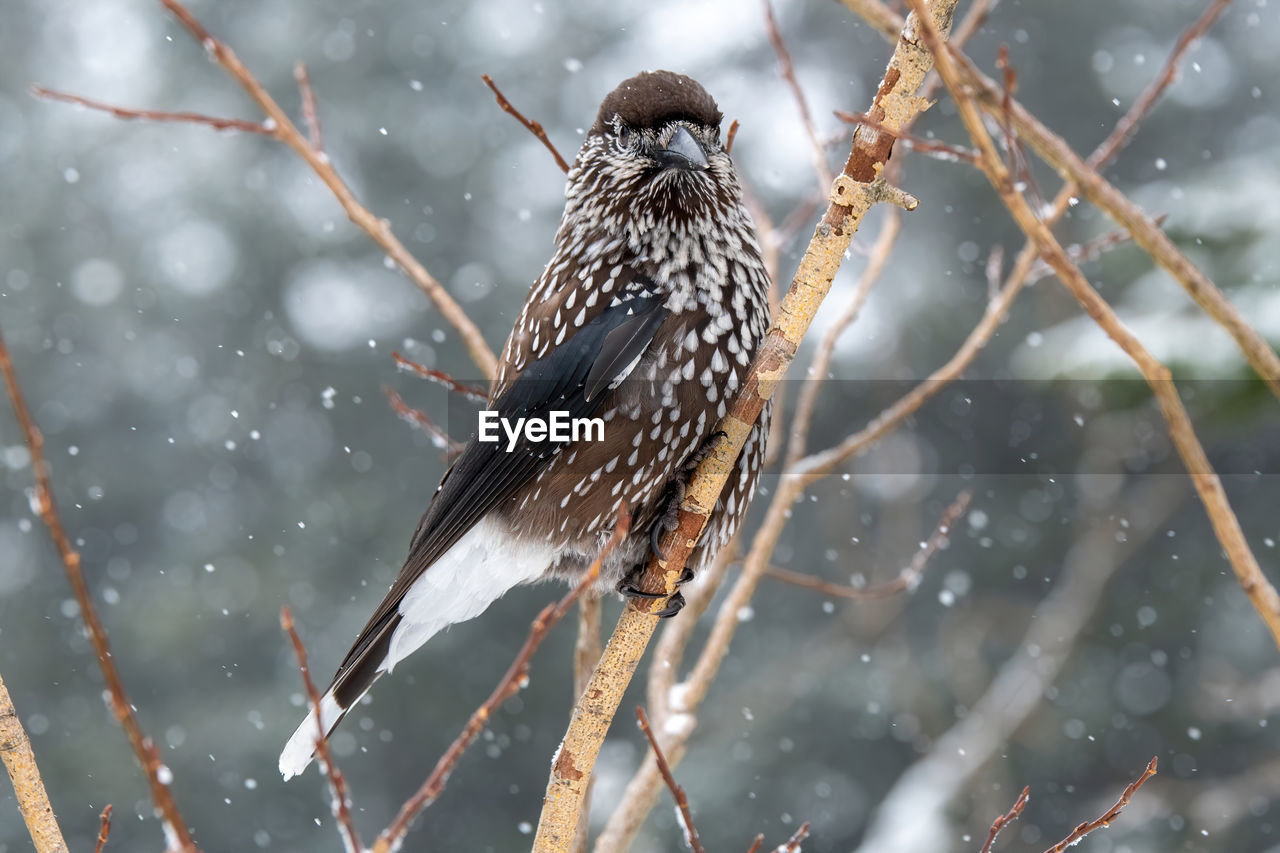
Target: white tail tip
301 747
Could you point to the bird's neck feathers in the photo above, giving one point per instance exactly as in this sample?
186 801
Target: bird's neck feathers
670 225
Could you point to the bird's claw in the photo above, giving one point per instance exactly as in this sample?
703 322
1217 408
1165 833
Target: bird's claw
629 586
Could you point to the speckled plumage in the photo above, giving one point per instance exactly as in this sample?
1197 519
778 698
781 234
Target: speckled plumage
647 316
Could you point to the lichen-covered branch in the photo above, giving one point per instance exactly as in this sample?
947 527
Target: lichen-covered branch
24 773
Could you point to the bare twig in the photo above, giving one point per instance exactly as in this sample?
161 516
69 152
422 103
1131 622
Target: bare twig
512 682
20 762
104 829
755 845
337 782
1110 815
422 421
682 800
144 748
532 126
129 114
471 392
788 71
793 843
309 114
1005 819
279 126
930 147
1125 129
1081 253
731 136
1226 526
908 578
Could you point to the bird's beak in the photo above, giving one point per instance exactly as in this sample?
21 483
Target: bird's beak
683 152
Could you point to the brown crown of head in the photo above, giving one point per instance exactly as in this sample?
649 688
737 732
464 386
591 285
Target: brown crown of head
652 99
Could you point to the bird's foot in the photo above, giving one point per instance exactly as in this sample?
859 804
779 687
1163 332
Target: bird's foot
630 587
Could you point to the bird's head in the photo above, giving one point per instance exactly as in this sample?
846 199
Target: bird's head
654 154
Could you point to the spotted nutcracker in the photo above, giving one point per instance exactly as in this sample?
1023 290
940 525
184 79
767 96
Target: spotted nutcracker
646 317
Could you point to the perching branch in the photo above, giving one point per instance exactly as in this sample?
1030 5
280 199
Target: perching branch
1226 526
854 192
144 748
280 127
24 773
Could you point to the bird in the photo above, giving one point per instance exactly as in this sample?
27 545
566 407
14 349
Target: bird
646 316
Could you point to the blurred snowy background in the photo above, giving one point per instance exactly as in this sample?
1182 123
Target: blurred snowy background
204 339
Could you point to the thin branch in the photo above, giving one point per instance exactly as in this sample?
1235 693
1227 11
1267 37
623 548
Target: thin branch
471 392
422 421
128 114
682 800
515 679
755 845
1014 812
1081 253
731 136
532 126
907 579
792 844
1125 129
104 829
1226 525
1110 815
279 126
144 748
787 69
929 147
20 762
309 114
337 782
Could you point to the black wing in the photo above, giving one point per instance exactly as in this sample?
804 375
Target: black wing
570 378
